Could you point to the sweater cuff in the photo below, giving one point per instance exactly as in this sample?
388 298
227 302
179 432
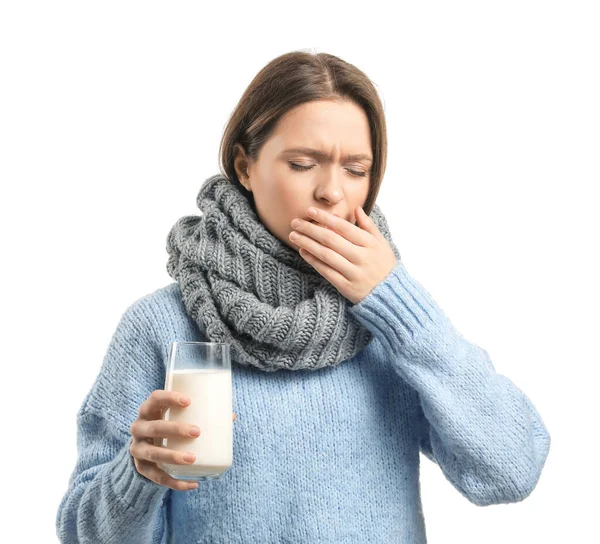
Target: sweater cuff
135 490
399 311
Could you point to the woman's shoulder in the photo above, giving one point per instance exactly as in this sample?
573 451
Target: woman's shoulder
164 299
164 311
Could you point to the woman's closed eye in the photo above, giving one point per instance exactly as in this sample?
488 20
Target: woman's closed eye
304 168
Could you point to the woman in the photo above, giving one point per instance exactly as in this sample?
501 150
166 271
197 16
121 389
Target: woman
345 367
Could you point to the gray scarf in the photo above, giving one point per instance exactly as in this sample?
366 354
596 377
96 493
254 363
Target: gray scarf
245 287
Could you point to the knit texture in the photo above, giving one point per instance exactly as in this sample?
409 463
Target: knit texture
245 287
319 457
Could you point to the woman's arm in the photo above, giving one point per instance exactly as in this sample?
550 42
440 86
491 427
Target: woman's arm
480 428
107 499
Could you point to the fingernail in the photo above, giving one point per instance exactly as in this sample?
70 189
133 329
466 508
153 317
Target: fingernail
195 431
184 400
312 212
189 457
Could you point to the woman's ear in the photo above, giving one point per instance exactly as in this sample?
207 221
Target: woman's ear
241 166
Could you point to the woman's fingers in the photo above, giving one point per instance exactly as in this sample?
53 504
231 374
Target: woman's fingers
159 400
160 477
150 428
156 454
160 428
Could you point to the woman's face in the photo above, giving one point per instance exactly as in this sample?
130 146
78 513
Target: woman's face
286 181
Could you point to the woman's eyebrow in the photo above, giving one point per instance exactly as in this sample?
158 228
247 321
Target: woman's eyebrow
323 156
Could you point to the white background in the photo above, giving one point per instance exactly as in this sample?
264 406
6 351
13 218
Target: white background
110 119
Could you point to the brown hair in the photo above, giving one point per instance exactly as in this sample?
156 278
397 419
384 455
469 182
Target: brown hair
292 79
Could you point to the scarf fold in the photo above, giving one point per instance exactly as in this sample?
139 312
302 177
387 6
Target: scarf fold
245 287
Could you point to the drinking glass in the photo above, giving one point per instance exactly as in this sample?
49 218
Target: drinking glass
202 371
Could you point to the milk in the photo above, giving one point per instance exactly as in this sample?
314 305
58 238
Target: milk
211 409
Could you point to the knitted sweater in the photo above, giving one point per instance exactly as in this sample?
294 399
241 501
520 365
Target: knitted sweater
319 456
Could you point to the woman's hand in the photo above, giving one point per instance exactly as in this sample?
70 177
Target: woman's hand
149 428
354 258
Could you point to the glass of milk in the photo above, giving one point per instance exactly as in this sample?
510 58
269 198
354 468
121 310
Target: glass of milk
202 371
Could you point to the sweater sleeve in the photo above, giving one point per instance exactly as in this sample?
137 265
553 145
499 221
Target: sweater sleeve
480 428
107 499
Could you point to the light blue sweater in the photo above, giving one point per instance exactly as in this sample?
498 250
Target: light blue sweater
319 456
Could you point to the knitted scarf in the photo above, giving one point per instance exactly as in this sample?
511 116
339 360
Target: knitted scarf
245 287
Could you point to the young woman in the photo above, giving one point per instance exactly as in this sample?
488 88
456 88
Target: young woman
345 368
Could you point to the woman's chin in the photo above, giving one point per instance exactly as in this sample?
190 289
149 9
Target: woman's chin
292 245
